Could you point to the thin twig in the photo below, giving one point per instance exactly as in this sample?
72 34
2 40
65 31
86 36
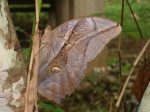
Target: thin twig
36 42
131 71
35 67
111 105
123 110
135 20
37 15
31 93
122 13
28 84
119 48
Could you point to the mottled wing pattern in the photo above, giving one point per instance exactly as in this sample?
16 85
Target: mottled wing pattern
63 60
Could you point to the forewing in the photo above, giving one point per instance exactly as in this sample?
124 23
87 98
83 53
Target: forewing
54 53
86 38
105 31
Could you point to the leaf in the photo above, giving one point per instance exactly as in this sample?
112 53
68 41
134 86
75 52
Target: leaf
50 107
133 1
112 61
142 80
125 67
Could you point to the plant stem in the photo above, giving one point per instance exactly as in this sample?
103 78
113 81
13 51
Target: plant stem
131 71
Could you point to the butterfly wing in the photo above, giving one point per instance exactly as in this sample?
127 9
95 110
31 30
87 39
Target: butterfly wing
63 61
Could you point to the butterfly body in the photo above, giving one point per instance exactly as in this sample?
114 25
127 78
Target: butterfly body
64 59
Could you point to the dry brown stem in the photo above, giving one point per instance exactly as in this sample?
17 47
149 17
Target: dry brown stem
31 93
131 71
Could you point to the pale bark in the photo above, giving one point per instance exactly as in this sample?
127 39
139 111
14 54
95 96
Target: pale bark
145 102
12 67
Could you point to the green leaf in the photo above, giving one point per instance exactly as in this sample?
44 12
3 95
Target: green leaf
50 107
133 1
125 67
112 61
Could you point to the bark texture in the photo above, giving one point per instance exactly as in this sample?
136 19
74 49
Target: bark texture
12 67
145 102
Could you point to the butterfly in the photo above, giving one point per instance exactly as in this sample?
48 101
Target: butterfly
66 51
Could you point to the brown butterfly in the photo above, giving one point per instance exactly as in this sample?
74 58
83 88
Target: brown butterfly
66 51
